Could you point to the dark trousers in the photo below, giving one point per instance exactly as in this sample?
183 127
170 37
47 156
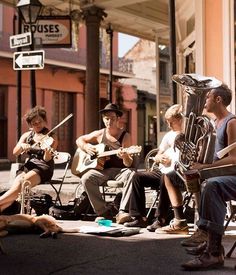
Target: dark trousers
216 192
153 179
163 207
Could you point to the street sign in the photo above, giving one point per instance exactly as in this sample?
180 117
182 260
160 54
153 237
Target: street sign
31 60
20 40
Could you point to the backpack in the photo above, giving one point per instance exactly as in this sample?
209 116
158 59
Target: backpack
75 210
41 204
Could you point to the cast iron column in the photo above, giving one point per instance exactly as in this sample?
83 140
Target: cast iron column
32 76
93 17
173 47
109 31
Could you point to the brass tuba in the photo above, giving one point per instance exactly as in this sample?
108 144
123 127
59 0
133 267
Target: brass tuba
197 142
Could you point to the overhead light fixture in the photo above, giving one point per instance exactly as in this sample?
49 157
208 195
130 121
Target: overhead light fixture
29 10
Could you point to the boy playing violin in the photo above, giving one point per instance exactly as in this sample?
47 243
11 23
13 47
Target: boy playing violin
39 165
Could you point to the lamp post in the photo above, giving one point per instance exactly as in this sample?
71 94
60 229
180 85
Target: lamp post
29 10
109 31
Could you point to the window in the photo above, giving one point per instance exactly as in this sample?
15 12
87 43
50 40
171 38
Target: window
163 73
3 121
62 107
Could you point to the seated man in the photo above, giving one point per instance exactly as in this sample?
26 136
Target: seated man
116 167
219 189
165 159
216 191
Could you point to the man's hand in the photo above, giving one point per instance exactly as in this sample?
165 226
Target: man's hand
127 158
163 159
198 166
90 149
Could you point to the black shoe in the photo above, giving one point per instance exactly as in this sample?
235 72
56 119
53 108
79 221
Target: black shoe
198 250
109 214
155 225
137 222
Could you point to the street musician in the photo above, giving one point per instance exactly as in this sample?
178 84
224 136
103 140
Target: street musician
99 170
40 149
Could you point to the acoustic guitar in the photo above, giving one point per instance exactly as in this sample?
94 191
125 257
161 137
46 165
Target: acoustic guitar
82 161
173 154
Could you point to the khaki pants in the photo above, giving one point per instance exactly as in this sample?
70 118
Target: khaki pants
92 179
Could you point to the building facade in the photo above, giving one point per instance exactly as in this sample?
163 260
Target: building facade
60 88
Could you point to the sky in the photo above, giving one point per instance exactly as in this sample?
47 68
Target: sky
126 42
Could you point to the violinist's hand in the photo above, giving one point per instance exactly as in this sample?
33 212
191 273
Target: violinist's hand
48 154
25 147
90 149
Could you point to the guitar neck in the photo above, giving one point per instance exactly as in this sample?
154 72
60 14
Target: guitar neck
108 153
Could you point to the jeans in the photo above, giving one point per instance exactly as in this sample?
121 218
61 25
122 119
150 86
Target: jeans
216 191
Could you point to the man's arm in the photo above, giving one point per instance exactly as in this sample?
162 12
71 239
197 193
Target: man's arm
86 142
165 145
127 142
231 158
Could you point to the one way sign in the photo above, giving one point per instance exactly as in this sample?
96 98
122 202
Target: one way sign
31 60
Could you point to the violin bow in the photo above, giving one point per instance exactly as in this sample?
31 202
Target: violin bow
59 124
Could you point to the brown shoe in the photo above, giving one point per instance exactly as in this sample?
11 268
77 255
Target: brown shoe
198 250
175 227
204 262
197 238
155 225
123 217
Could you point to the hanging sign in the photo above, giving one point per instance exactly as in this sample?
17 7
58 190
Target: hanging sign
54 31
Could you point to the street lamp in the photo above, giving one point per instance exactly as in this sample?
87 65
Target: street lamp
109 31
29 10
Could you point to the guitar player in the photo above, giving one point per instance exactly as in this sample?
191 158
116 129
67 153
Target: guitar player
165 160
118 167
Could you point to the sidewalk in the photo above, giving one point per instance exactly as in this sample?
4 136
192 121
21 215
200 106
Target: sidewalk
67 191
76 253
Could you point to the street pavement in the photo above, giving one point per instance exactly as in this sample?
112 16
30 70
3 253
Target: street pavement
77 253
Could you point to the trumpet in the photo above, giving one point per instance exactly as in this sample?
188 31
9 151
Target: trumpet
25 197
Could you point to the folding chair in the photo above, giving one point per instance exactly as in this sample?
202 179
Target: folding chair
60 158
112 187
232 216
150 165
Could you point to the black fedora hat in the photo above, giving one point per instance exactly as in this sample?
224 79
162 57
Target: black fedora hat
111 108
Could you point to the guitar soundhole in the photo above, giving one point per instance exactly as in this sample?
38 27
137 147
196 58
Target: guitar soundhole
93 157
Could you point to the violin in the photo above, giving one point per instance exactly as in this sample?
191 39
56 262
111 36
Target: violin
44 142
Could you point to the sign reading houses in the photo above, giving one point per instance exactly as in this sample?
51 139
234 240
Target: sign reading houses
31 60
54 31
20 40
